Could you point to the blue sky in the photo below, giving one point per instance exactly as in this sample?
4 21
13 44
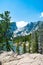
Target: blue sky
23 10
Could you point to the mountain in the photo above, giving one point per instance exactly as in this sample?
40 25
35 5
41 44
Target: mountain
26 30
13 26
10 31
36 25
29 27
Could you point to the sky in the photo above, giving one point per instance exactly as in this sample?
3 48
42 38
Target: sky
23 11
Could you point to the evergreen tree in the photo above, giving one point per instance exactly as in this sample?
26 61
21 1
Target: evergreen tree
24 48
29 44
17 48
35 43
5 31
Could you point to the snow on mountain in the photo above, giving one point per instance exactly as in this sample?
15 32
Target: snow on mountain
26 30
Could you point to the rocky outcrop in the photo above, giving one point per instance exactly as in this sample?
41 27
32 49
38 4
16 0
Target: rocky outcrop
10 58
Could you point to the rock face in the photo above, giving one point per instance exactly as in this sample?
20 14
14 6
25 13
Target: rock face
10 58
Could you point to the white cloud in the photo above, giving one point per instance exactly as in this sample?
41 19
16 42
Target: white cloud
21 24
41 14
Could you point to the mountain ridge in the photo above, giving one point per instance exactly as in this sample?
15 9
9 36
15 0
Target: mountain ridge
26 30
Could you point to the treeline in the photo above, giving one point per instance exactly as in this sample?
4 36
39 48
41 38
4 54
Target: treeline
29 43
22 38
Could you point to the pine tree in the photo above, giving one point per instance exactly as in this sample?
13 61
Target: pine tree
24 48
